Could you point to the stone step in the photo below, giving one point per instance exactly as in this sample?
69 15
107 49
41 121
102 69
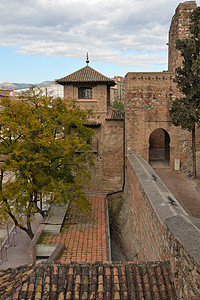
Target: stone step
43 250
55 218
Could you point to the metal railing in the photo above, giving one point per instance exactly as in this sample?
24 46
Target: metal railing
7 242
115 114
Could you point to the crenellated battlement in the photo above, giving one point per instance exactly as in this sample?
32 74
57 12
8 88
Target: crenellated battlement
150 76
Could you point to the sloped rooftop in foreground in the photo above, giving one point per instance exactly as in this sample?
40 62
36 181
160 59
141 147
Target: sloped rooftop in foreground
83 270
88 281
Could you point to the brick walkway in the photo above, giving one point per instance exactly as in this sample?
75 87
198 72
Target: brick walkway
84 235
183 188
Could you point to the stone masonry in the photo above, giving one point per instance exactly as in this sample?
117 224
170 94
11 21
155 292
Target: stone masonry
179 29
148 128
148 97
108 126
149 228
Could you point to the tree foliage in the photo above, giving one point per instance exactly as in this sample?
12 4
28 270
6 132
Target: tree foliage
185 110
48 153
118 105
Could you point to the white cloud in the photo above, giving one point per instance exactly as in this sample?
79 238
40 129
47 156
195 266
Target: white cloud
112 31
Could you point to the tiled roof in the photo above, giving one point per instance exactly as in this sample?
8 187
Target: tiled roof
88 281
85 75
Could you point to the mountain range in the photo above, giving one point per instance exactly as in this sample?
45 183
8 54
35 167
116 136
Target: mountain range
19 86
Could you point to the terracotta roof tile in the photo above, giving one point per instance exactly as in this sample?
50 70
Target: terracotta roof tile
84 235
88 281
85 75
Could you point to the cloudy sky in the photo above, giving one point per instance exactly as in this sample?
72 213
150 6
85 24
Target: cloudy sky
48 39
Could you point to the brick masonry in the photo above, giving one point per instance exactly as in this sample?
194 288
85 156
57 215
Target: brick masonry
107 144
83 234
179 29
149 228
107 173
98 103
148 97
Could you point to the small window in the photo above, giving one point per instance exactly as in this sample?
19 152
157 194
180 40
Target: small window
85 93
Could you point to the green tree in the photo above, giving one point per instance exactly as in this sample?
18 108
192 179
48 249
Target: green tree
118 105
185 111
48 153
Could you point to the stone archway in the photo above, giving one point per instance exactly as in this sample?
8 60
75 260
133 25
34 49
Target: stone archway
159 145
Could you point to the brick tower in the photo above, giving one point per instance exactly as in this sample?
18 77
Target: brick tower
148 97
179 29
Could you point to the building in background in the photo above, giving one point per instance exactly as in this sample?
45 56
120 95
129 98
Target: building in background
52 89
4 93
117 92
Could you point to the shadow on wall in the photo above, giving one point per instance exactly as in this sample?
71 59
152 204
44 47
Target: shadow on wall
159 145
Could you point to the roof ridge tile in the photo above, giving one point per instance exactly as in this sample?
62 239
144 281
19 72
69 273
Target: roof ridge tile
85 74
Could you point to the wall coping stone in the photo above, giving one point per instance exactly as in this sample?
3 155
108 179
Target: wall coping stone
55 254
156 191
186 230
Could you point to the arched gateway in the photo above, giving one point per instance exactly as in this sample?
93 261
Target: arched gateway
159 145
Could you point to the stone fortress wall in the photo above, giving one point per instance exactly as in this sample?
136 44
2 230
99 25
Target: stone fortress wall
179 29
146 128
149 228
148 97
145 223
107 173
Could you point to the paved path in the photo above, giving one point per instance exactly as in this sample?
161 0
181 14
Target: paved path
17 256
183 188
84 235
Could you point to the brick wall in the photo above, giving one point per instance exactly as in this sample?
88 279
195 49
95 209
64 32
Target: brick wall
149 228
96 181
148 99
107 173
113 156
179 29
184 260
107 144
98 103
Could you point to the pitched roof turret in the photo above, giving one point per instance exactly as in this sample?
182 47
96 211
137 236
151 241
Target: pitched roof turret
86 75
